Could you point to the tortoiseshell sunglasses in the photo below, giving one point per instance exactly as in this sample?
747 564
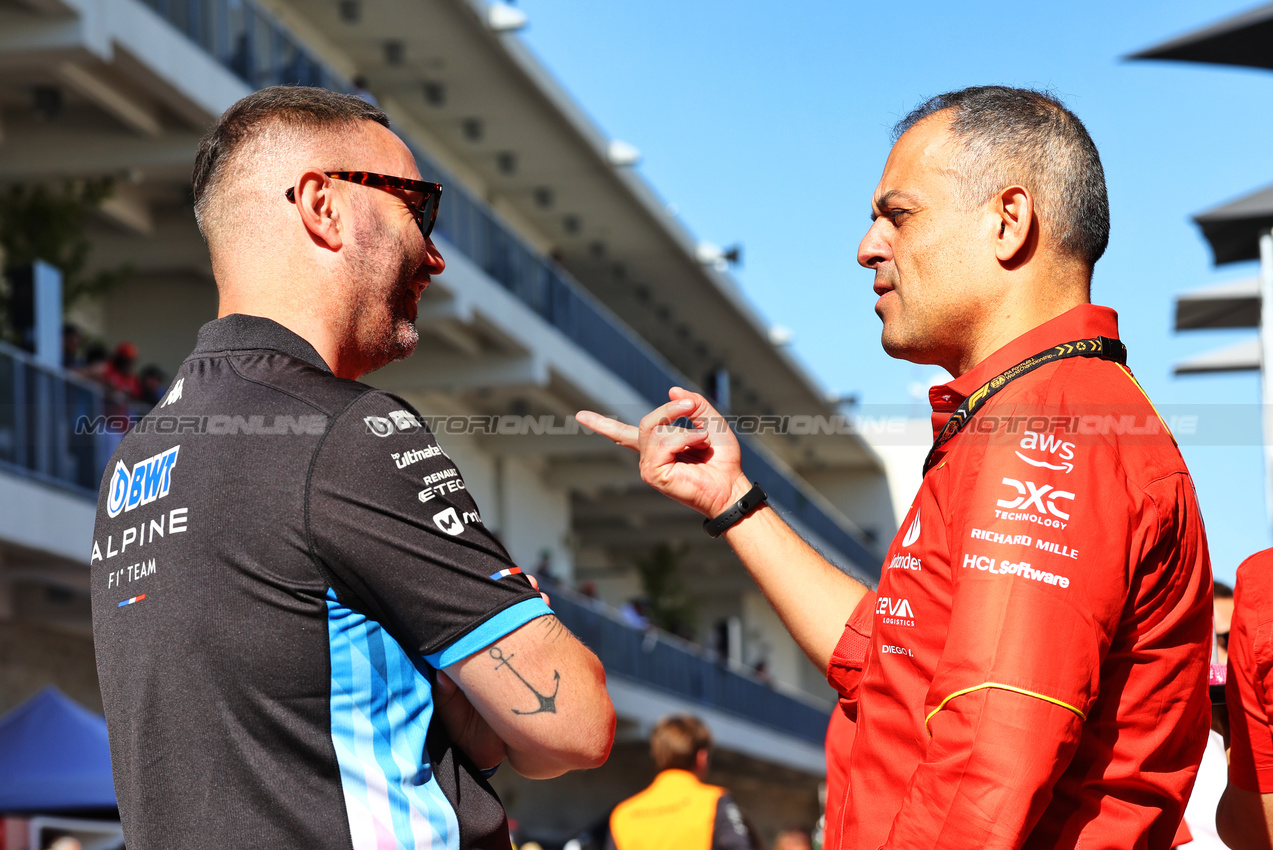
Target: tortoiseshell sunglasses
425 215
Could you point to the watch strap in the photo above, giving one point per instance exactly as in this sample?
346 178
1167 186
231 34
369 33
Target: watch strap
752 499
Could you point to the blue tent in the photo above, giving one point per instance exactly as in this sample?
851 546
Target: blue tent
54 756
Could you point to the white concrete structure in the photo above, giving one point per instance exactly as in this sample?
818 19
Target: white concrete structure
568 285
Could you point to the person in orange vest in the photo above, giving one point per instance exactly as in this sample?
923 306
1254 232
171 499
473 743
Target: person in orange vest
679 809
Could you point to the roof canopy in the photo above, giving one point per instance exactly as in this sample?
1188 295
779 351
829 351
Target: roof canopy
1234 229
54 756
1240 357
1233 304
1241 40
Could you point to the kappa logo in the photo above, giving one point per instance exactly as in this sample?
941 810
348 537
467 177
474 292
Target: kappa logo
149 480
912 533
174 393
449 521
1049 445
1032 497
397 421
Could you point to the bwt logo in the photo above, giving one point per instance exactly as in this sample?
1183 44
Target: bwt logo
398 420
148 480
1034 499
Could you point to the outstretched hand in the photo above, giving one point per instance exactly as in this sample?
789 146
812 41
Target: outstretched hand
699 467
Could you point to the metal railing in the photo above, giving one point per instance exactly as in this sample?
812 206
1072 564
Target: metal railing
666 664
550 292
262 52
53 424
249 42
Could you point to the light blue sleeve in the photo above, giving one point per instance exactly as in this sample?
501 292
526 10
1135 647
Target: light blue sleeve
506 621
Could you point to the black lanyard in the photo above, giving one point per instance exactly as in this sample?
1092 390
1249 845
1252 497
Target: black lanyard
1103 347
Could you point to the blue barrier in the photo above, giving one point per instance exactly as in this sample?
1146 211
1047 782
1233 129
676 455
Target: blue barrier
666 665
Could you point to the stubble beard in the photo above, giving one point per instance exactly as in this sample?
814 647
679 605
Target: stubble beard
384 308
909 332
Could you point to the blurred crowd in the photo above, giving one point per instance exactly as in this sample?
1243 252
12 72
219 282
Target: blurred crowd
115 369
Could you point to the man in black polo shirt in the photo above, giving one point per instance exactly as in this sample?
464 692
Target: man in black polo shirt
305 635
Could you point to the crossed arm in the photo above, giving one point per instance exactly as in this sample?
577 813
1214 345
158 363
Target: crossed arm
536 696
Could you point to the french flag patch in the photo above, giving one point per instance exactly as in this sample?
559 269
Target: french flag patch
511 571
131 601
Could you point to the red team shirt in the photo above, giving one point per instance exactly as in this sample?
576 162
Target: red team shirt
1032 670
1249 688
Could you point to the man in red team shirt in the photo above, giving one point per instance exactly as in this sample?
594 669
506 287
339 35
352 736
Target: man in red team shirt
1032 669
1245 816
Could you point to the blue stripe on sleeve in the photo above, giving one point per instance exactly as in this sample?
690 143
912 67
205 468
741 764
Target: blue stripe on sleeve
490 631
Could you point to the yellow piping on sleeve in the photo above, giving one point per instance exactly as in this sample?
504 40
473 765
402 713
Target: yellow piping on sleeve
1152 406
1001 687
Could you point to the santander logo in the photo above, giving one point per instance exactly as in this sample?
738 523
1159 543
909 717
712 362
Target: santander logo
912 533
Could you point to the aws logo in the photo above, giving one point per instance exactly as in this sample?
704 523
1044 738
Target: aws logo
149 480
1049 445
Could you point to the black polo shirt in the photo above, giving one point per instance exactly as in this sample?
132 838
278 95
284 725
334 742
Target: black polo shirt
281 561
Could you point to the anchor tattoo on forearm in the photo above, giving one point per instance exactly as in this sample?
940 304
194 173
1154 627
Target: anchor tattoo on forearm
546 703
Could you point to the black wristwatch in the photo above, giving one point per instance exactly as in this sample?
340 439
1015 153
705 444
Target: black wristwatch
754 498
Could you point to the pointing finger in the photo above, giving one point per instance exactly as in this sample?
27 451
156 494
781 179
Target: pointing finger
624 435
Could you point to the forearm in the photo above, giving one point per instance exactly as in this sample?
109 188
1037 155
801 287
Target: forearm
811 596
543 694
579 739
1244 819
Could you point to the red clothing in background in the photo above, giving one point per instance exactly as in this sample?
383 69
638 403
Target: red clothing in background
1033 669
839 743
1248 691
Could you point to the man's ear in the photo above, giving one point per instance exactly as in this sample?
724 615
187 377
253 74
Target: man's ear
1013 208
319 211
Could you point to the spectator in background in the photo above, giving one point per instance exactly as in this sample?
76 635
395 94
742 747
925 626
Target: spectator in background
154 383
119 374
94 363
544 569
1223 606
1244 817
679 810
635 613
72 341
793 838
361 91
1198 830
840 733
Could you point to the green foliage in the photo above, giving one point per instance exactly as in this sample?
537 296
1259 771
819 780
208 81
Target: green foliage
40 222
670 606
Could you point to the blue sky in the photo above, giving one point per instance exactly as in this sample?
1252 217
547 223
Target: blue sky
768 124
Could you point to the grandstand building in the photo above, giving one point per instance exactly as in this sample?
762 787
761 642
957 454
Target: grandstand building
569 285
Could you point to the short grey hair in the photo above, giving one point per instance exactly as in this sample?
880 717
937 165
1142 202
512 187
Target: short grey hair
1005 136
